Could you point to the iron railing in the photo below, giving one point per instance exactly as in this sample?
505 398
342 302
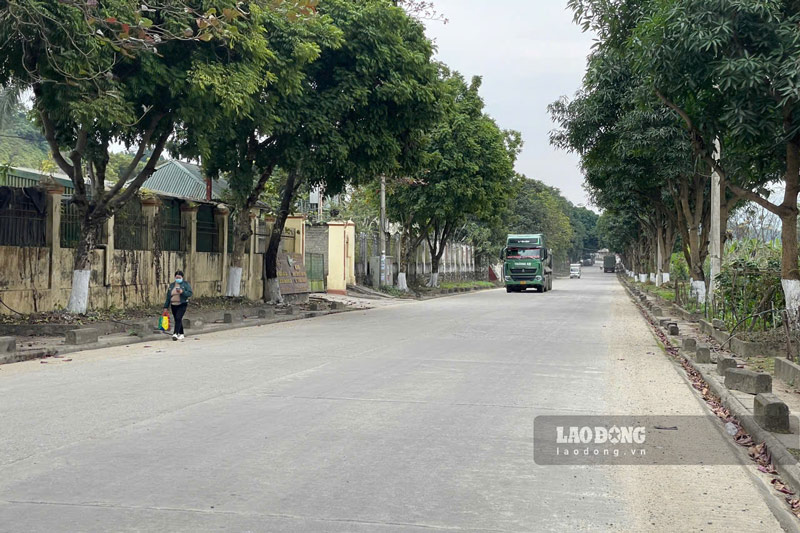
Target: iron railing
21 223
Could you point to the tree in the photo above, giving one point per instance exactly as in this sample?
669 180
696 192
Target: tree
356 111
243 142
469 168
538 208
125 72
728 69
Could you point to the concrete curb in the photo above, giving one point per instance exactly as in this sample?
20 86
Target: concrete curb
135 339
785 463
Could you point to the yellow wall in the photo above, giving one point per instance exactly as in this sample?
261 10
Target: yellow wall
341 256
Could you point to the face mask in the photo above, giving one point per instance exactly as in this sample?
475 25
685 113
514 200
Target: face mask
178 280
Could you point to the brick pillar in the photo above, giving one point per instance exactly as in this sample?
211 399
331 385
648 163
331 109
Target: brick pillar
149 209
54 193
253 247
222 218
189 222
109 252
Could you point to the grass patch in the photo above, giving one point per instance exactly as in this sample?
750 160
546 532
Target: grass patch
396 293
761 364
468 285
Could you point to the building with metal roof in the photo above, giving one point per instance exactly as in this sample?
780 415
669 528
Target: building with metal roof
28 177
184 180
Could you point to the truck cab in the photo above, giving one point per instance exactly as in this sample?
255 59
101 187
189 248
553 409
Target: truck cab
575 271
527 264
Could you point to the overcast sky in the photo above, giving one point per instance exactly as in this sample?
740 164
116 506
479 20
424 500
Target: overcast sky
529 53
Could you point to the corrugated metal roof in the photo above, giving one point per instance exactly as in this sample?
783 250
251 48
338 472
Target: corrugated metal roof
178 178
28 177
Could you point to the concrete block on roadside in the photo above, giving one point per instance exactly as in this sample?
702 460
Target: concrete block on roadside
657 312
8 345
140 329
231 318
725 363
266 313
337 306
291 310
673 330
663 322
316 306
747 381
192 323
718 324
703 355
771 413
706 327
689 344
82 336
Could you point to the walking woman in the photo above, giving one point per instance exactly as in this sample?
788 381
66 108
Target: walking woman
178 296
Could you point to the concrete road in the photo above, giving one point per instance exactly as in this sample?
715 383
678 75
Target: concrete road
415 417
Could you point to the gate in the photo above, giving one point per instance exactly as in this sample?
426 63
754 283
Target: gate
315 270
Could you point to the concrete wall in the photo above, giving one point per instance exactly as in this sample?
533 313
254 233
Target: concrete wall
39 279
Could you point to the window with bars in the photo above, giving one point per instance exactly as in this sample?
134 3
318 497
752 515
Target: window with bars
22 223
207 231
171 230
131 227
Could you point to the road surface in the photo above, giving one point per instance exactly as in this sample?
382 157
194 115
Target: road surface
415 417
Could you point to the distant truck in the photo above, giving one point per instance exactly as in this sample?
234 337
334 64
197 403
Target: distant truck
575 271
610 264
527 264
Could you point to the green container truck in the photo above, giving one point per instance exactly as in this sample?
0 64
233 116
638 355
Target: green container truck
610 264
527 264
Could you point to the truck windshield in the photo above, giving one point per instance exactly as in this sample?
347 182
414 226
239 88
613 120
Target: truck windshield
524 253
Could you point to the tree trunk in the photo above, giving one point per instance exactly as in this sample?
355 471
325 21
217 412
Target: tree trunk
242 232
434 281
790 276
273 292
82 267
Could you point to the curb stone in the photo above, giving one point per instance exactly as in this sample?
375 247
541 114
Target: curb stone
786 464
132 339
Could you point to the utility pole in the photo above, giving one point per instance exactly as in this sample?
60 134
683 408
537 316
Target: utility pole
383 231
715 243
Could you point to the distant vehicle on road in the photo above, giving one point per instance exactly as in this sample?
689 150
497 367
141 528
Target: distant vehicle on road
575 271
527 263
610 264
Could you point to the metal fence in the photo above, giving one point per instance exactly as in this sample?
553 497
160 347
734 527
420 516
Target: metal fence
315 271
207 231
131 228
171 230
22 223
70 224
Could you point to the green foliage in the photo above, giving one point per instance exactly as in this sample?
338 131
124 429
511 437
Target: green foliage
679 269
21 143
750 281
468 169
538 208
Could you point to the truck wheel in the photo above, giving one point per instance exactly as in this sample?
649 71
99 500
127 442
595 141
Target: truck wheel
508 289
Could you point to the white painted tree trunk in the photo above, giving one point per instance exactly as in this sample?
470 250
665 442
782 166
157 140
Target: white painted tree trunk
234 281
401 282
643 278
699 291
652 278
434 281
274 295
79 295
791 291
665 277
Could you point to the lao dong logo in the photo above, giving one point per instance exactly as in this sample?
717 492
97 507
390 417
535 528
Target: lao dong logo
600 435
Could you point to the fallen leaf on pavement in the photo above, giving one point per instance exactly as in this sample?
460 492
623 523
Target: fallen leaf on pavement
780 487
